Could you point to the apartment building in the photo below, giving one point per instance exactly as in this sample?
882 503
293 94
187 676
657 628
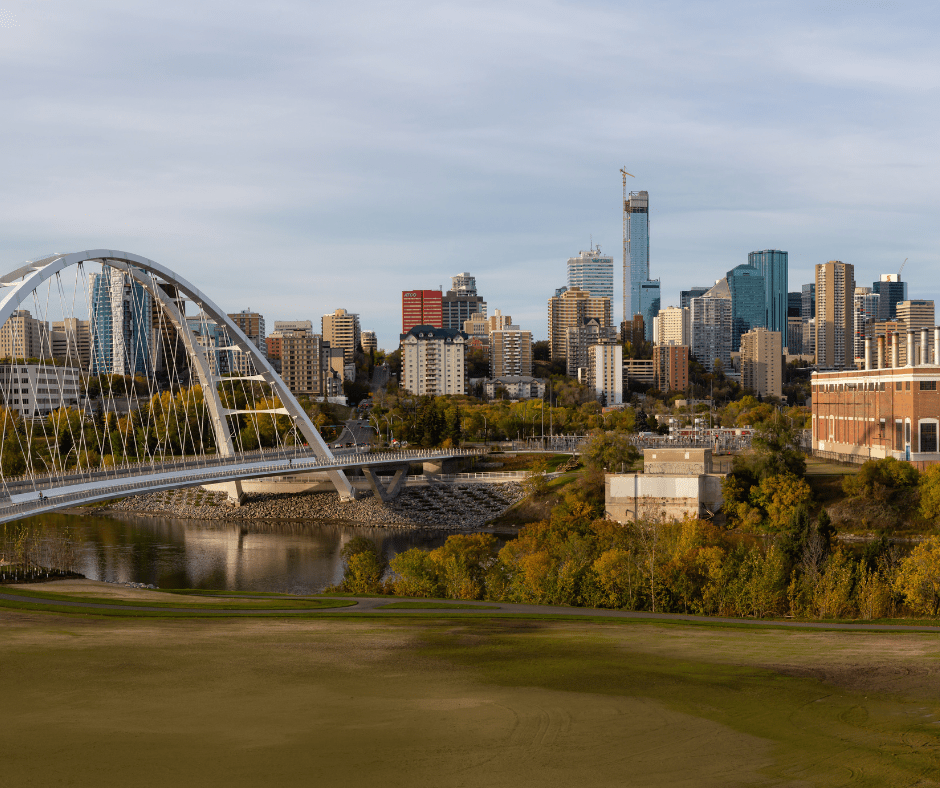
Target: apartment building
341 329
24 337
71 342
671 366
433 361
605 373
306 365
835 291
579 340
510 352
570 310
673 326
762 362
35 390
370 342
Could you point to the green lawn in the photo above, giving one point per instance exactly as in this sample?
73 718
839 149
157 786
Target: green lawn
436 606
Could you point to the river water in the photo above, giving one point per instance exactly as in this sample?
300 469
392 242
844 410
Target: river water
298 558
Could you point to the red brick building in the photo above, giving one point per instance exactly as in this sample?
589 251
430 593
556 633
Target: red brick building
421 308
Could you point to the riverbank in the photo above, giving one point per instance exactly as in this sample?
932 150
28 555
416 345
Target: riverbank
451 508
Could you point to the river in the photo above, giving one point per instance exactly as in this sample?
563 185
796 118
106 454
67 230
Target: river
291 557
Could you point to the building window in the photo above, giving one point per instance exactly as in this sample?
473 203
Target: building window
928 437
897 386
898 436
907 385
928 385
907 432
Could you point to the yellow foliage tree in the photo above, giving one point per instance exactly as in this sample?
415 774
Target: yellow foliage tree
919 577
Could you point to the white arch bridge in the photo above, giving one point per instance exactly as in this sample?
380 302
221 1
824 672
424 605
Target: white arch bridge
118 376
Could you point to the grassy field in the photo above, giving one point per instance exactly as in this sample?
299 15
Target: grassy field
446 702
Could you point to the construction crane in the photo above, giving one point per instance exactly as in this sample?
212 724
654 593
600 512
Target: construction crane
902 268
626 267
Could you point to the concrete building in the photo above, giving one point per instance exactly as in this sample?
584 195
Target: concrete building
633 331
510 352
592 272
795 336
341 329
773 266
461 302
252 326
515 387
71 342
762 362
809 337
914 315
215 339
570 310
421 308
864 313
671 363
579 340
686 296
38 389
637 370
170 358
605 373
306 365
370 342
711 327
433 361
303 326
835 290
24 337
673 326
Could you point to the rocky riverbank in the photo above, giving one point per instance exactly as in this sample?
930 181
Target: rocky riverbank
451 507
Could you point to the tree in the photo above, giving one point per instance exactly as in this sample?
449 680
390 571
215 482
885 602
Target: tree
919 577
930 492
780 497
364 566
611 451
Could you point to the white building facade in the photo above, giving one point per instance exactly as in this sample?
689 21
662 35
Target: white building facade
433 361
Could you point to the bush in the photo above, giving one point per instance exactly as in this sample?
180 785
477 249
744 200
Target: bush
365 566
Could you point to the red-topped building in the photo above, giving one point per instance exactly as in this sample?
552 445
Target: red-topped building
421 308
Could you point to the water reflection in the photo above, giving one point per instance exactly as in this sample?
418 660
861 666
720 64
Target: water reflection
265 556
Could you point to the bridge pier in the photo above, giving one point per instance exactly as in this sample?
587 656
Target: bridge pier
395 486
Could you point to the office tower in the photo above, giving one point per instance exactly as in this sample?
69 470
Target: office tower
510 352
650 303
762 362
673 326
370 342
633 332
461 302
772 264
795 304
23 337
341 329
306 365
579 339
808 309
71 342
795 336
686 296
864 313
593 272
570 310
605 373
835 291
421 308
432 361
671 364
748 304
892 291
121 322
711 326
640 293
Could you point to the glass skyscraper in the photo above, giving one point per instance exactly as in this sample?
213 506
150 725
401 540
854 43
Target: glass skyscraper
593 272
120 321
636 252
808 310
686 296
772 264
892 291
650 302
748 305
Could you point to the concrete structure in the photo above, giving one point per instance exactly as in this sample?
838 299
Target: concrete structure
303 326
673 326
809 338
660 462
38 389
762 362
671 364
510 352
516 387
605 372
215 338
639 371
341 329
865 309
579 340
835 291
592 272
433 361
24 337
71 342
711 327
479 325
421 308
773 266
369 342
570 310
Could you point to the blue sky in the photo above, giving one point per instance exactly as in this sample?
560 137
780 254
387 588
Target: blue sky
298 157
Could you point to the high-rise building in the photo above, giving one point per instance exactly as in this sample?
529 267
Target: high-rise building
304 326
686 296
915 315
432 361
121 322
579 340
217 342
671 363
633 332
461 302
421 308
795 304
605 372
865 313
464 283
170 358
23 337
370 342
809 337
341 329
762 362
711 328
808 308
510 352
835 291
748 301
252 326
305 365
673 326
650 303
892 291
569 310
593 272
795 336
71 342
636 257
773 266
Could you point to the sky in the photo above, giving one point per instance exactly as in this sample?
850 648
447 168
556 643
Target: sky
298 157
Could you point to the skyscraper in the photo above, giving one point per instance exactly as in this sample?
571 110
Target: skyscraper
650 302
121 315
593 272
835 291
892 291
711 329
636 250
794 304
686 296
748 305
569 310
341 329
421 308
808 309
772 265
865 311
461 302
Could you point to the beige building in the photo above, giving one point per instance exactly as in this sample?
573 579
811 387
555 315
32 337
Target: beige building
835 315
71 342
605 372
305 365
37 389
510 352
24 337
671 364
341 329
673 326
570 310
640 370
915 315
580 339
762 362
481 326
369 342
432 361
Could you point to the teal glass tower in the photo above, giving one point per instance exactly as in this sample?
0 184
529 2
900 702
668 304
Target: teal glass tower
748 307
773 265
